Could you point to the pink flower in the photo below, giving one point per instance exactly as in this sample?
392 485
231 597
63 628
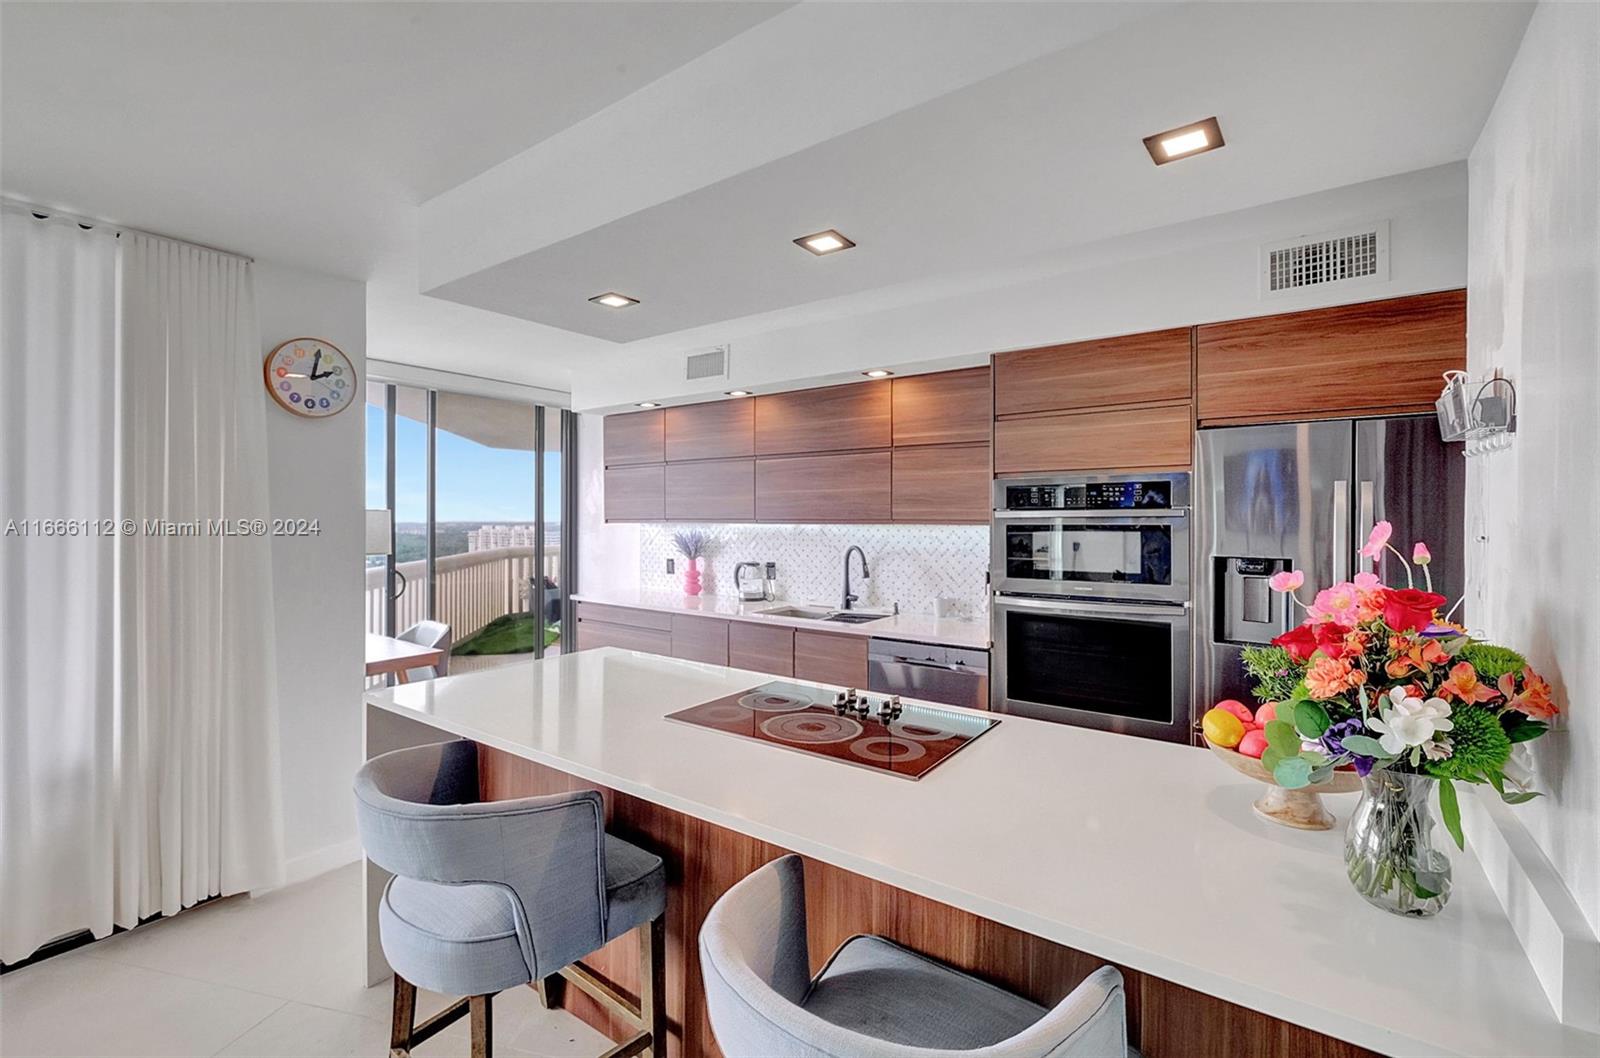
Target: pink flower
1420 554
1377 540
1367 581
1287 581
1340 603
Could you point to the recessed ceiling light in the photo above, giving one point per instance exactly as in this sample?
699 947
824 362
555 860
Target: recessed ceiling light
824 242
612 300
1185 141
877 372
738 392
647 404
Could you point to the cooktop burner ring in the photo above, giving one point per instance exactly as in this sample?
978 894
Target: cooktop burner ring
917 732
774 702
725 713
886 749
811 729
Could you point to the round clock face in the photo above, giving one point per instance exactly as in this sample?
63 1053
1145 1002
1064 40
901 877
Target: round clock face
310 377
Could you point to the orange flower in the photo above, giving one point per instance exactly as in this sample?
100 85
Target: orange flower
1463 683
1421 655
1330 677
1534 701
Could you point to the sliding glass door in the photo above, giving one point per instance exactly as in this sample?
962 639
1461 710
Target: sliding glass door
476 487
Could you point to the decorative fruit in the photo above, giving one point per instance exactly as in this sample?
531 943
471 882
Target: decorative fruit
1238 709
1254 743
1269 711
1222 727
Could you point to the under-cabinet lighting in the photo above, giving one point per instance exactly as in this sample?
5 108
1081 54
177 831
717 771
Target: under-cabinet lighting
1186 141
877 372
823 243
738 393
647 404
612 300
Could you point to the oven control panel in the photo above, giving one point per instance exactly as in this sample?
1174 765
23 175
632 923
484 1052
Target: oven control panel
1130 495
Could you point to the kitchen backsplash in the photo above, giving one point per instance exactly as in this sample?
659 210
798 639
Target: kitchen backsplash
911 564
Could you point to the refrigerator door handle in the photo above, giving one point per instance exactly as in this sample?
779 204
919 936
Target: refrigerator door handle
1366 518
1341 531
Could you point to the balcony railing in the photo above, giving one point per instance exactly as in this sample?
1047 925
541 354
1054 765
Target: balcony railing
471 589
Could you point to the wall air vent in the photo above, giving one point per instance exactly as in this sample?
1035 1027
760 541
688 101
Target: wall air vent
1354 255
711 363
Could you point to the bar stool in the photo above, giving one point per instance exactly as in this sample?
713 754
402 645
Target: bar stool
875 999
490 895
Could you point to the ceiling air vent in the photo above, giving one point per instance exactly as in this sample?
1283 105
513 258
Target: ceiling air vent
1355 255
712 363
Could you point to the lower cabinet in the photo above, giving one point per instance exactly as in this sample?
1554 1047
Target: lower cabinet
700 638
618 626
761 648
830 658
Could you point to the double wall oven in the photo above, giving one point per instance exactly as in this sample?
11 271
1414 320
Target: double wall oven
1091 608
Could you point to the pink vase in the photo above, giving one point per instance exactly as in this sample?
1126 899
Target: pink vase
691 578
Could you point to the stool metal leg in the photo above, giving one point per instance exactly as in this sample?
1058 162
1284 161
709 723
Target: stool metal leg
550 990
653 985
482 1026
403 1017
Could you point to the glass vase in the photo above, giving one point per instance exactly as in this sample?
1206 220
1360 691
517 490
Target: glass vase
1394 848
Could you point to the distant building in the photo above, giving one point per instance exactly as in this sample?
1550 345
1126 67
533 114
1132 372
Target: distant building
487 537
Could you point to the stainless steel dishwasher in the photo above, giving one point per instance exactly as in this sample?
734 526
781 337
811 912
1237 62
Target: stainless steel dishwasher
951 675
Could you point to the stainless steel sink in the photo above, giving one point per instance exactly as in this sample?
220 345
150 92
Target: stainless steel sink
854 617
822 613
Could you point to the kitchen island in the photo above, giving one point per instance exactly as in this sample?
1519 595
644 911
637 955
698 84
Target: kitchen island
1037 853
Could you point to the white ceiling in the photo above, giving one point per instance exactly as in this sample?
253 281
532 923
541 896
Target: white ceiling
550 151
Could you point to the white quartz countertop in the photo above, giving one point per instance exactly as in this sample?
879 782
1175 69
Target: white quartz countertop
1144 853
945 632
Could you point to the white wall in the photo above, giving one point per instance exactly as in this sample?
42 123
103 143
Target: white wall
1196 272
1533 562
608 555
315 470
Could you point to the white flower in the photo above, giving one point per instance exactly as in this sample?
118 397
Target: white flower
1439 748
1406 721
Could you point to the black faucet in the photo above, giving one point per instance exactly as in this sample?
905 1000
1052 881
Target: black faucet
848 598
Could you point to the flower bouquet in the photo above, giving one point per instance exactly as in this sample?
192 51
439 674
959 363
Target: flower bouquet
1376 680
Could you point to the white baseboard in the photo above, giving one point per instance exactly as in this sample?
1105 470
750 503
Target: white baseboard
1560 945
320 861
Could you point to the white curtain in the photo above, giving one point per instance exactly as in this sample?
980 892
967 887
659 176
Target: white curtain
138 676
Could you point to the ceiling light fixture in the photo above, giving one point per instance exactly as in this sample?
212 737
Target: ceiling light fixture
612 300
738 393
824 242
877 372
1186 141
647 404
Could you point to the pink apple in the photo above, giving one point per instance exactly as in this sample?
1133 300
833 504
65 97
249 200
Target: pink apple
1238 709
1253 744
1269 711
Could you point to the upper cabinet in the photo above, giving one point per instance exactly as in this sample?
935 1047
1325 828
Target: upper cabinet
635 437
831 419
1378 357
1107 372
720 429
950 407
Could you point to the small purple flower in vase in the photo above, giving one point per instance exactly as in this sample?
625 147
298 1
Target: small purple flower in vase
1333 741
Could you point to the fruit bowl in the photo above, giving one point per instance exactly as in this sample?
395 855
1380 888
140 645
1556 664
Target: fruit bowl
1302 808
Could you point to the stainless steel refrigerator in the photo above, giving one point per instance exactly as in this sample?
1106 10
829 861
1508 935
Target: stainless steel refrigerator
1304 496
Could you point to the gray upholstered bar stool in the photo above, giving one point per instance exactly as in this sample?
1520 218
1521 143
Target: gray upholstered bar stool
875 999
490 895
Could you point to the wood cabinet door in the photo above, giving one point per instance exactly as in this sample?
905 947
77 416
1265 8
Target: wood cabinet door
721 429
1118 439
1379 357
950 407
634 437
624 615
1130 369
948 483
829 419
718 491
844 487
593 634
830 658
761 648
636 494
700 638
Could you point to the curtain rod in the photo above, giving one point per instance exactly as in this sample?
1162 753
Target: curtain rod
47 212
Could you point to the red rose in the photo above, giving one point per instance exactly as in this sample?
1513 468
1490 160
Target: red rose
1410 610
1330 638
1300 642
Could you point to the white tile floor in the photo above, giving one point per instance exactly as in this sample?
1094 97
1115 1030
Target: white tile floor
277 976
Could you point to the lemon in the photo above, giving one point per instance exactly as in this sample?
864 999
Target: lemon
1222 728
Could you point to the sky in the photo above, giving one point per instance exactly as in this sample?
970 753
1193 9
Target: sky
476 482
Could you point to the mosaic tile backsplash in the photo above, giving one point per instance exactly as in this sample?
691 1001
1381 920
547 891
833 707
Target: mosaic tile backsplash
911 564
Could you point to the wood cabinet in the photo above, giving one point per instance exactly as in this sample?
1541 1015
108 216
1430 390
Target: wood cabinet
700 638
719 429
950 407
761 648
1120 438
634 437
830 419
1378 357
636 494
830 658
720 490
943 483
1132 369
617 626
842 487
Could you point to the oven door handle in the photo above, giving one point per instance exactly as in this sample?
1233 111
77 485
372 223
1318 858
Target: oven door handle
1109 609
1162 514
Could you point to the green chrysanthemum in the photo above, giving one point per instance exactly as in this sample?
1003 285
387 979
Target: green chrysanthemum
1480 746
1492 662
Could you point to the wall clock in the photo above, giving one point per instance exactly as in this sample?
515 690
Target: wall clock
310 377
